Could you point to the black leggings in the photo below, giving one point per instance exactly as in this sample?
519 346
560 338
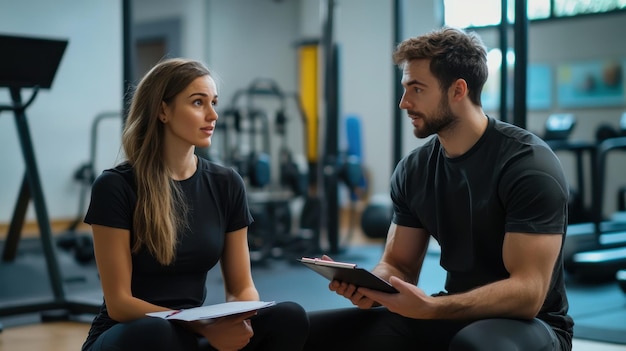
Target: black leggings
379 329
282 327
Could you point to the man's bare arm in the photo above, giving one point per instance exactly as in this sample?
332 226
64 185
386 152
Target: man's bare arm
404 253
529 258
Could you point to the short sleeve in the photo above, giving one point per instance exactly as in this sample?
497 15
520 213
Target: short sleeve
535 194
238 215
402 214
112 202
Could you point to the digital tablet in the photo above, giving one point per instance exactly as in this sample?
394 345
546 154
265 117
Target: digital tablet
349 273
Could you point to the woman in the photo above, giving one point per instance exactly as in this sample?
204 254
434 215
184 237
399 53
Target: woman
164 217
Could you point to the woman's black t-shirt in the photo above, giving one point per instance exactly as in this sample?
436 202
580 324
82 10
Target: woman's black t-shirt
217 204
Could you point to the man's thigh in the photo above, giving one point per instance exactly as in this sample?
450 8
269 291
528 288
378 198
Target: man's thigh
377 329
506 334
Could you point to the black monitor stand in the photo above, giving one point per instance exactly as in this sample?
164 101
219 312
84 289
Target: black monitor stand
32 64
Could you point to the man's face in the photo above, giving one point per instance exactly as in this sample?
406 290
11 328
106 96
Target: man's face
423 100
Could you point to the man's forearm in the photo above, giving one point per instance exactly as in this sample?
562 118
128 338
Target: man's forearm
510 298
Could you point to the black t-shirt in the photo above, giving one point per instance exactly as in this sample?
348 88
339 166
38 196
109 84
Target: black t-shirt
509 181
217 203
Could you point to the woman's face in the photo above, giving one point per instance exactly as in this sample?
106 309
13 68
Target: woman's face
190 117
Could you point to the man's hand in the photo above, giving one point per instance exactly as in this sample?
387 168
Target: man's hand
349 291
410 301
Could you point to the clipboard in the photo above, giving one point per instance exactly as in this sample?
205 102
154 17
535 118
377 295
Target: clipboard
347 272
212 311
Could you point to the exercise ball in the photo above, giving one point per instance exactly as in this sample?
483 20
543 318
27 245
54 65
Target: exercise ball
376 217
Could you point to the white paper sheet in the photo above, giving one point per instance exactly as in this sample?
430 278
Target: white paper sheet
212 311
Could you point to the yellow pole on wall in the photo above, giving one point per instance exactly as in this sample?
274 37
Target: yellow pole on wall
308 69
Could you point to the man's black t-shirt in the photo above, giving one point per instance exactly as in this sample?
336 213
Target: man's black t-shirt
509 181
217 204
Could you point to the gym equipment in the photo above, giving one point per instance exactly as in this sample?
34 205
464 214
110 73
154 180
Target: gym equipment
376 217
606 131
596 251
270 197
621 192
558 129
308 55
621 279
351 172
255 164
258 164
293 175
328 172
324 163
82 244
559 126
351 161
33 63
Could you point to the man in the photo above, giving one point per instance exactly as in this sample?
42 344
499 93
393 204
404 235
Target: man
493 195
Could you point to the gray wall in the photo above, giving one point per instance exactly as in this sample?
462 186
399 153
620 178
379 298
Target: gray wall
577 40
88 82
242 40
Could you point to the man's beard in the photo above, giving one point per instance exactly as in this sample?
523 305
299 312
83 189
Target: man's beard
439 121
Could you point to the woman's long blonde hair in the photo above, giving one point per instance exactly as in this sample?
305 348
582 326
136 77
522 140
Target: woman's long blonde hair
160 210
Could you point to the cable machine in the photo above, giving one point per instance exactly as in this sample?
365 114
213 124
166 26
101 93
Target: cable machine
256 146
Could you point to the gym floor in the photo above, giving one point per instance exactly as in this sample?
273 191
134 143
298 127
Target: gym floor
64 336
30 334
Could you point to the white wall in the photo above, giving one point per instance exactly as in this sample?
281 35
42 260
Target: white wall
88 81
364 36
192 13
364 31
242 40
252 39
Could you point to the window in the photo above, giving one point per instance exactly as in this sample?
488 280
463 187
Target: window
481 13
537 9
577 7
463 13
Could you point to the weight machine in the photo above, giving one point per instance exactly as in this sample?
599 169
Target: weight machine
247 130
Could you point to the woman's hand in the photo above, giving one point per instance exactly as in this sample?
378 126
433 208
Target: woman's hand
229 333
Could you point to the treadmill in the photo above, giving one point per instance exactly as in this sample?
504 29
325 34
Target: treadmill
558 129
581 232
621 274
597 250
31 63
